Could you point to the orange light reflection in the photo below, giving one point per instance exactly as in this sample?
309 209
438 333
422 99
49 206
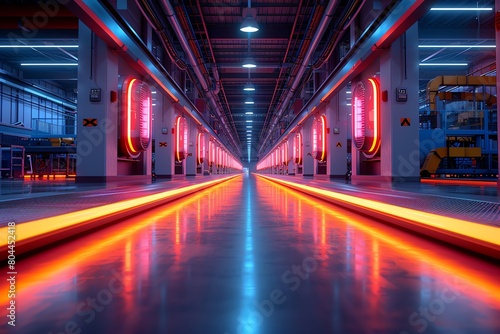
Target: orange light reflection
466 229
441 264
63 266
376 117
477 183
45 226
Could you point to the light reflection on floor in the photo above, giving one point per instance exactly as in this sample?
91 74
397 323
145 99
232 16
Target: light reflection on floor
250 256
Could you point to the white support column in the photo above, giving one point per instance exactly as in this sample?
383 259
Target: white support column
400 154
337 112
163 124
191 158
307 158
96 145
205 167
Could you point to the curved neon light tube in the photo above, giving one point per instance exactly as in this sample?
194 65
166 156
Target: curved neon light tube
201 148
178 135
323 138
129 115
376 117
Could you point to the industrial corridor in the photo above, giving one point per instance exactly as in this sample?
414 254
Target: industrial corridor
251 256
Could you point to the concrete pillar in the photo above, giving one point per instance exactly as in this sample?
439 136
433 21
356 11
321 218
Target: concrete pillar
307 158
337 112
497 35
191 162
400 154
96 145
164 118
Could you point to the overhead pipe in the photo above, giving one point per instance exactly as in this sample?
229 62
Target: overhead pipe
215 71
172 18
280 74
174 22
150 13
218 87
110 26
303 66
397 17
344 23
272 118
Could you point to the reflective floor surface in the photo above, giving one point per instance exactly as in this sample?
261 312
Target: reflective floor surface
249 256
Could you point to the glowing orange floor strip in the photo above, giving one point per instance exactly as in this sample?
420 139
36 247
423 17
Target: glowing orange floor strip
478 183
469 231
38 228
482 280
82 256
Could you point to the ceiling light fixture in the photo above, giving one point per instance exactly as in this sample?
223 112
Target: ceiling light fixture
39 46
249 100
249 87
457 46
443 64
49 64
249 25
249 121
461 8
249 113
249 63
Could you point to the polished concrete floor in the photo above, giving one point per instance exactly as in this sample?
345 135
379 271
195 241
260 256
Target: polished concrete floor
249 256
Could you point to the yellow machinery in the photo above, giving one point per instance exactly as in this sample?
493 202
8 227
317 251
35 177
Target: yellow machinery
435 156
458 80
